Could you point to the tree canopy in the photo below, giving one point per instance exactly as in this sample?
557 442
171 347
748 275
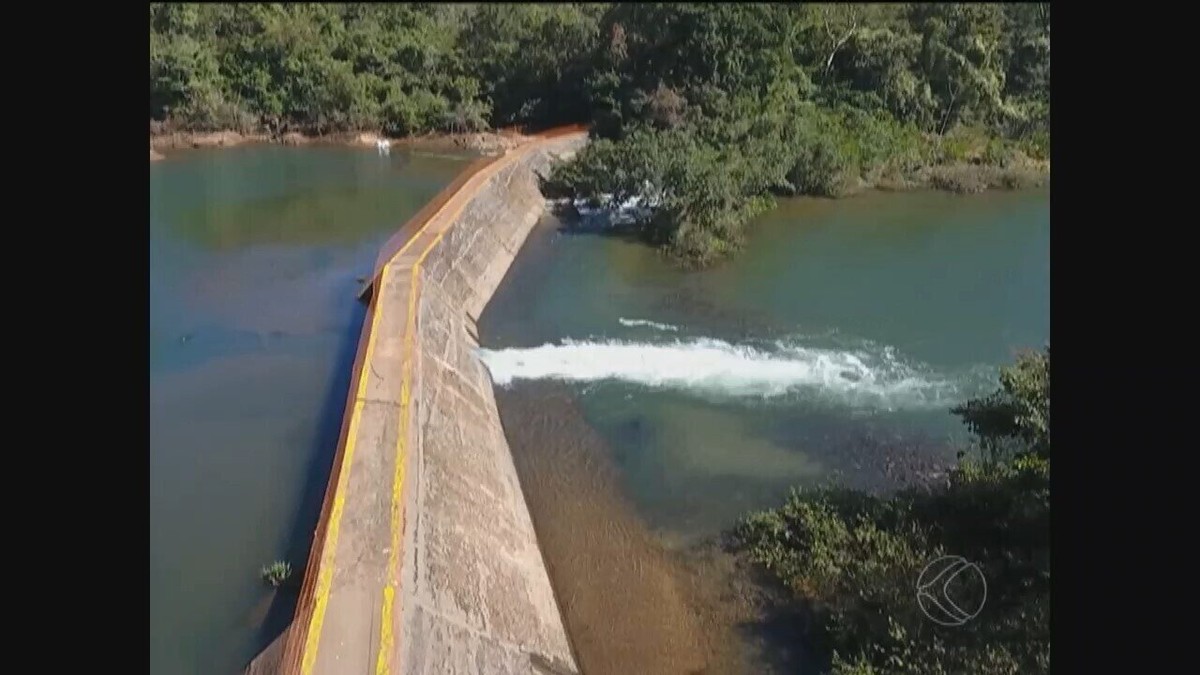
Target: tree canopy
704 111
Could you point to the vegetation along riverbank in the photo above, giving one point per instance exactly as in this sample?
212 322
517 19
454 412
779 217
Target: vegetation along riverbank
703 112
855 560
703 115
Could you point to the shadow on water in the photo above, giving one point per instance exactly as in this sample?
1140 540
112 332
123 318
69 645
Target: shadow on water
329 426
781 638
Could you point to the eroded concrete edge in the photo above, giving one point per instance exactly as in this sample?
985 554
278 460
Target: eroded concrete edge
473 592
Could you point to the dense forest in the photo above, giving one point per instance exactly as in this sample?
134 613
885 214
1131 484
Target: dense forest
704 112
857 558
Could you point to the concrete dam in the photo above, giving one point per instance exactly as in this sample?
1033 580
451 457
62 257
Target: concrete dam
424 558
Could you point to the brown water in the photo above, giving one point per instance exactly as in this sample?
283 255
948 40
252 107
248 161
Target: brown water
630 603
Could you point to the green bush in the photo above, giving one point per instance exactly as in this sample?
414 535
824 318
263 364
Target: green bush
1014 419
855 557
998 153
276 573
1037 145
820 167
210 111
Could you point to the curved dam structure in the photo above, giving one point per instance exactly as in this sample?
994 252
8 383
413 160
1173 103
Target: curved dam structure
425 559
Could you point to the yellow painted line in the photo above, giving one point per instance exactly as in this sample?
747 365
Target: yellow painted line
383 658
329 551
387 638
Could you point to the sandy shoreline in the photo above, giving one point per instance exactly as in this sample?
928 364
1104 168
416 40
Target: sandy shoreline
960 177
486 142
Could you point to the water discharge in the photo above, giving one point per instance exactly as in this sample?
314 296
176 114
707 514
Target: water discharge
865 377
648 408
648 324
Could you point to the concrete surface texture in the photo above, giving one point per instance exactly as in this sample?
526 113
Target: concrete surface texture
426 559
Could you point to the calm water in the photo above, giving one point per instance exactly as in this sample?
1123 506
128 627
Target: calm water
830 349
254 256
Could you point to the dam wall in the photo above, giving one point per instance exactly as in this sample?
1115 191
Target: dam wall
425 559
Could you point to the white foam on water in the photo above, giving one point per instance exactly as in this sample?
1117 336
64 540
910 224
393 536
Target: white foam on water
875 378
624 213
649 324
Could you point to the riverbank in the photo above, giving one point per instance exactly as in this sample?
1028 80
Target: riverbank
970 176
854 557
961 178
491 142
966 177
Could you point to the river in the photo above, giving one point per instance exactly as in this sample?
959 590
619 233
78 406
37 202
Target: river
254 258
649 408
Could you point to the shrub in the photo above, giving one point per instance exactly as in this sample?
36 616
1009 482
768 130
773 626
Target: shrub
820 168
276 573
212 112
1037 145
855 557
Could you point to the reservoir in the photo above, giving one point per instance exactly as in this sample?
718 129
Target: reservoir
255 254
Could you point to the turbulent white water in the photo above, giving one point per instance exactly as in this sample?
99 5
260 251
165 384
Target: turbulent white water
649 324
868 377
624 213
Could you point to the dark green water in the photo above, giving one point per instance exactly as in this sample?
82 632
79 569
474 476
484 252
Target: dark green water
832 347
254 255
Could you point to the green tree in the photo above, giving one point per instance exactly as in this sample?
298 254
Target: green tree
854 557
736 102
533 59
1015 419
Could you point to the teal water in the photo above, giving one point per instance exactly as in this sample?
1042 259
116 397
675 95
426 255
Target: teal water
254 258
831 348
649 408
